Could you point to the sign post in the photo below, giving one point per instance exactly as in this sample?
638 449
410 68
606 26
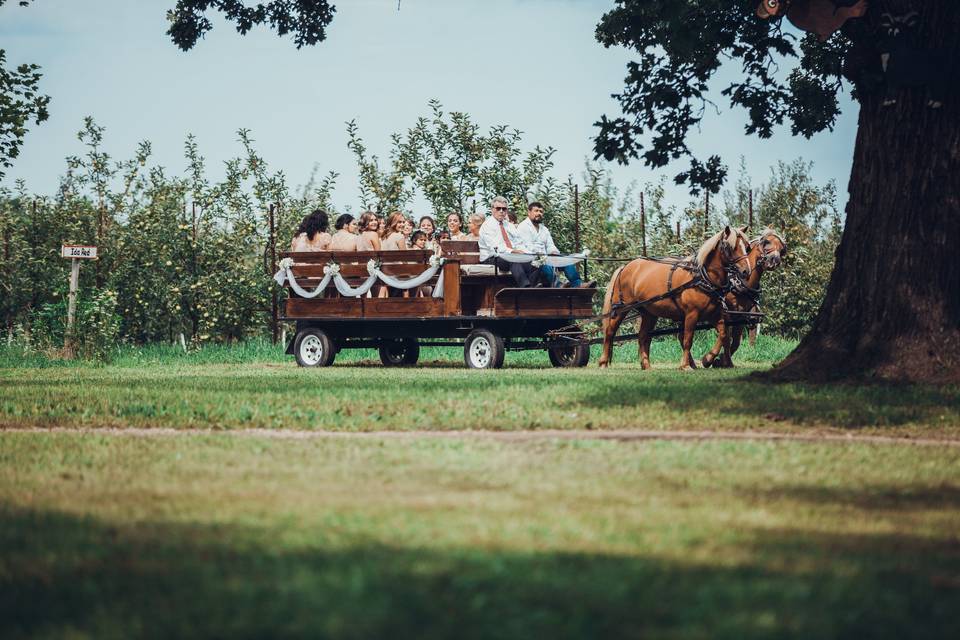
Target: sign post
76 253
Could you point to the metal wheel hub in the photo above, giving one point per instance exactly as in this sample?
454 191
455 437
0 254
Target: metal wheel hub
311 350
480 352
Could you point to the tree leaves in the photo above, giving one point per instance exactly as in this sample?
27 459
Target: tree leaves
306 19
680 45
20 102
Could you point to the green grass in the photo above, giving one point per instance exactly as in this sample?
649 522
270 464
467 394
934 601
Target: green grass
255 385
767 350
213 535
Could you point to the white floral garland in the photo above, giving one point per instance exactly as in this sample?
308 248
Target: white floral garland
331 271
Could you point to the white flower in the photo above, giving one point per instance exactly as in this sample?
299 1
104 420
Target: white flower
586 252
286 263
371 266
436 261
332 268
539 261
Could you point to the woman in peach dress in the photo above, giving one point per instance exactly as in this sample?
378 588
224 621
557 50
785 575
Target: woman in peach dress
455 226
369 239
393 238
345 239
312 233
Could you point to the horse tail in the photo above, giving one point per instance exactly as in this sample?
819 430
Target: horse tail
608 295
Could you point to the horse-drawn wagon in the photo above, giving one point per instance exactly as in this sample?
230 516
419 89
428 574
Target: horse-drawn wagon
400 301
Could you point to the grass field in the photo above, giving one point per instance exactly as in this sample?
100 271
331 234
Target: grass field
225 536
257 386
161 533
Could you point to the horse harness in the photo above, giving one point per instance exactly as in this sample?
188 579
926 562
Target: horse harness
700 281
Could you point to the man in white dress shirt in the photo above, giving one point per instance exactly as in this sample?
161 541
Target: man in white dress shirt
536 238
498 235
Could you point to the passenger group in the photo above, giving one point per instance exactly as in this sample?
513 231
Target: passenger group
495 234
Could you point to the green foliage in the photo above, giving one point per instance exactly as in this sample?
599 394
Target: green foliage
96 331
190 256
679 47
20 103
453 165
308 21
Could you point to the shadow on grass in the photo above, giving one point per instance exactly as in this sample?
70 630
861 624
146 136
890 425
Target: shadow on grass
64 575
758 403
944 498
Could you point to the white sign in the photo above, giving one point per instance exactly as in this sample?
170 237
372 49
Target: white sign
78 251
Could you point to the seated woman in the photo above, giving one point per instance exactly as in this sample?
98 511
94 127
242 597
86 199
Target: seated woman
455 226
345 239
312 234
369 239
392 238
473 223
407 231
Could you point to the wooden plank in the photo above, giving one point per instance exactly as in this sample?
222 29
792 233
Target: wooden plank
323 257
515 303
467 251
459 246
324 308
451 289
404 308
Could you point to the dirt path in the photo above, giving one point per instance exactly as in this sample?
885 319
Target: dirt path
625 435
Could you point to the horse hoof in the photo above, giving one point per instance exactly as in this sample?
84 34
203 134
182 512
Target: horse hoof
707 362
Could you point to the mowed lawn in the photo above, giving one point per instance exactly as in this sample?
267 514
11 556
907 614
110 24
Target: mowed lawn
257 386
231 535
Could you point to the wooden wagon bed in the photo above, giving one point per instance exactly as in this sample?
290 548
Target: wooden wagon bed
475 301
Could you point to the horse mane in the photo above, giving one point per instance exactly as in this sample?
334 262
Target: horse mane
713 242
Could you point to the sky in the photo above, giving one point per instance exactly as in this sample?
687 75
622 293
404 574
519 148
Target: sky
532 64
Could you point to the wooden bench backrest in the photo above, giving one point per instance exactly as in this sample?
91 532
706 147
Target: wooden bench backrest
353 264
467 251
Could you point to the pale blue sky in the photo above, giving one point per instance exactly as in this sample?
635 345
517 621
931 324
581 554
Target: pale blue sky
532 64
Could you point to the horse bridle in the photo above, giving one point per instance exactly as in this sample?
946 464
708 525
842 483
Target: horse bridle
731 266
764 254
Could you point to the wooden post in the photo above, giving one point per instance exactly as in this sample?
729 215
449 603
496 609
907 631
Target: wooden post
750 218
678 232
71 307
706 217
274 334
643 224
576 217
576 225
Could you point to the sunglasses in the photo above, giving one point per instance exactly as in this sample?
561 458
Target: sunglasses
499 208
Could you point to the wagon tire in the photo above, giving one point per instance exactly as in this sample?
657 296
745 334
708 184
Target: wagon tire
576 355
314 348
400 353
483 349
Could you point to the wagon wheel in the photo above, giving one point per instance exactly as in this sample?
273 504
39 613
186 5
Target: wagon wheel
314 348
483 349
399 353
577 354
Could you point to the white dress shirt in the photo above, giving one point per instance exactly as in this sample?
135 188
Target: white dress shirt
536 239
491 239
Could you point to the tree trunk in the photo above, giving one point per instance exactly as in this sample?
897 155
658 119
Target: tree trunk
892 309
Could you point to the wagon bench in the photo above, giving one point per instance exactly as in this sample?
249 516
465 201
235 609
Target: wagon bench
479 310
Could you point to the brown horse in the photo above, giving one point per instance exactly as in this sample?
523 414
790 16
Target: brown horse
683 290
766 252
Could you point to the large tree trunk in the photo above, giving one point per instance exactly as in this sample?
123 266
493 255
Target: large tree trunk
892 309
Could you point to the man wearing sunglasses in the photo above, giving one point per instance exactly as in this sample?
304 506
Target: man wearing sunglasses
499 235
